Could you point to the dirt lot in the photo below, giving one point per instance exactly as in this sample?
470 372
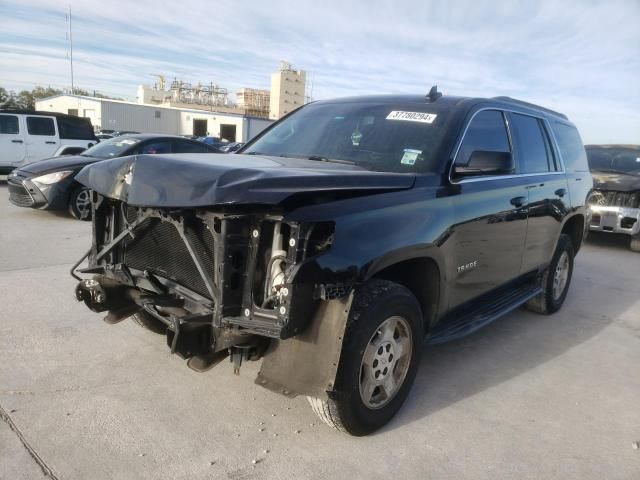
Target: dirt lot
529 397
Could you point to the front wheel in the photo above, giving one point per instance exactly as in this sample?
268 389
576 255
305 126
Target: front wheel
80 204
380 356
556 279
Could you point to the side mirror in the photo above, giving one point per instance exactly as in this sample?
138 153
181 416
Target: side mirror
482 162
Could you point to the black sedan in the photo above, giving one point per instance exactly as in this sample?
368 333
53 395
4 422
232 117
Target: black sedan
50 184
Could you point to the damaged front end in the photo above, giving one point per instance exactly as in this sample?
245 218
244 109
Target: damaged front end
222 282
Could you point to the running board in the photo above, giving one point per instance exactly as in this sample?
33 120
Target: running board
474 320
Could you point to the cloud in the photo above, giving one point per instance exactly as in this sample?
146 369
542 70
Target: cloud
578 57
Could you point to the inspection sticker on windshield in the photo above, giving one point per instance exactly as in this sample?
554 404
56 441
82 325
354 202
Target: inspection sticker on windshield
410 156
421 117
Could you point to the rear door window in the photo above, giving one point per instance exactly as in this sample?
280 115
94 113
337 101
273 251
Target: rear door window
528 136
571 147
41 126
9 124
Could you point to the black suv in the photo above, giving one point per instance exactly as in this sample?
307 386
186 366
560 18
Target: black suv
340 239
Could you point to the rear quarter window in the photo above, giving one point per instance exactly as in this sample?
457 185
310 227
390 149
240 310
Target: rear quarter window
75 129
571 148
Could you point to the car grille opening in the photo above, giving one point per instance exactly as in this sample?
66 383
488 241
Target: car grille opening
615 199
19 195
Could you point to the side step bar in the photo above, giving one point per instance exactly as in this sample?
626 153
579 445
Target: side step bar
473 320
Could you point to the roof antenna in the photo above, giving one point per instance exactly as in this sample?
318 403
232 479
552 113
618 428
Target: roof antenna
434 94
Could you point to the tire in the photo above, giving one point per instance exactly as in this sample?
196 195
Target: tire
149 322
80 204
385 317
551 299
635 243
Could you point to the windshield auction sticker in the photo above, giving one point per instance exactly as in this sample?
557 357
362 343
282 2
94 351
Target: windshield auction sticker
421 117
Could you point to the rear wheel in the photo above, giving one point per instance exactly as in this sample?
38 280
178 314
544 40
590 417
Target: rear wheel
635 243
556 279
380 356
80 203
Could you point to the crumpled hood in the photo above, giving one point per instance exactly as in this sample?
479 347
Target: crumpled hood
195 180
619 182
55 164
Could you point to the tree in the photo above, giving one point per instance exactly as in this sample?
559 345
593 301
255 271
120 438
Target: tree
26 99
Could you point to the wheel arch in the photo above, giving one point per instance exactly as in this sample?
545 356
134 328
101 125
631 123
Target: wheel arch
575 227
422 276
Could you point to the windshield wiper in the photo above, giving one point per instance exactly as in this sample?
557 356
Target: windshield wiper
320 158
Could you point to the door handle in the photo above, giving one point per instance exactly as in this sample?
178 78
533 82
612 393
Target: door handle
17 141
561 192
50 142
518 201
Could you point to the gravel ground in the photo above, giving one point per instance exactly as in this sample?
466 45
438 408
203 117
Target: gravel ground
528 397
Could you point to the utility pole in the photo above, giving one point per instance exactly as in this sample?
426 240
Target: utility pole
71 51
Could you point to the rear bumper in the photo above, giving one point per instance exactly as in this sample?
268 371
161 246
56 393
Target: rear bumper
615 219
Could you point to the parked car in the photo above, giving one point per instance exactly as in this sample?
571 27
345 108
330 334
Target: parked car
340 238
104 136
27 136
231 147
213 141
615 203
50 184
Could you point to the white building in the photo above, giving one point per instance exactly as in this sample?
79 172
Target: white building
287 90
119 115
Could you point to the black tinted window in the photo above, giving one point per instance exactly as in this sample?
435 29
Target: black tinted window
486 133
156 147
571 148
189 147
530 144
599 158
9 124
75 128
40 126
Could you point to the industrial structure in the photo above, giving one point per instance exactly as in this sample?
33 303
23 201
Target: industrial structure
182 108
287 90
254 102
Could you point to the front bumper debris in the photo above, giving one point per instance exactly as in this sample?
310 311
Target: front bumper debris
615 219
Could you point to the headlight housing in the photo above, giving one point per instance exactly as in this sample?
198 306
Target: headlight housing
51 178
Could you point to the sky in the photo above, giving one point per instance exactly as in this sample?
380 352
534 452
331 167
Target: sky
579 57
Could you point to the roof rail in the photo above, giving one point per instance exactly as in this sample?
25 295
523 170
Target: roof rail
531 105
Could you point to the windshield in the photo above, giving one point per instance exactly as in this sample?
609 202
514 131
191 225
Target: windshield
625 160
376 136
111 148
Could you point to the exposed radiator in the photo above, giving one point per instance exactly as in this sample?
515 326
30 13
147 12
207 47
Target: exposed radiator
158 246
